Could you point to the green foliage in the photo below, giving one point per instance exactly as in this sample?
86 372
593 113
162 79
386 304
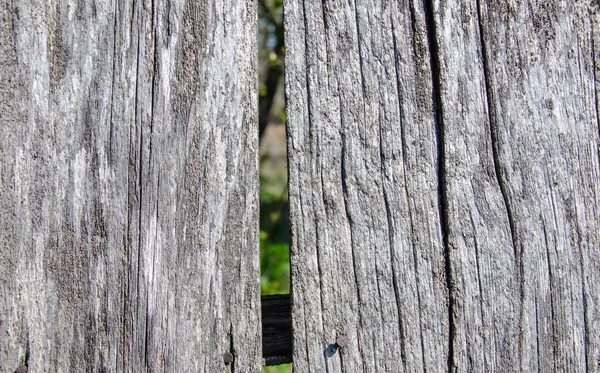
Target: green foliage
285 368
275 268
274 206
274 225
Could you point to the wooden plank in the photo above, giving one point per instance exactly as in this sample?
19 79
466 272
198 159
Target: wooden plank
367 251
443 160
128 217
483 268
540 90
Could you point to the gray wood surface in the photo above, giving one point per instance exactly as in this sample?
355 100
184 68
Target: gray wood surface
444 185
129 187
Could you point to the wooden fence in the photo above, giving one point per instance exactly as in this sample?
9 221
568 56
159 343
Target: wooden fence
444 185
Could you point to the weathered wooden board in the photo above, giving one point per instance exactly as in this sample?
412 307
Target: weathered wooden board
540 79
444 185
367 253
128 181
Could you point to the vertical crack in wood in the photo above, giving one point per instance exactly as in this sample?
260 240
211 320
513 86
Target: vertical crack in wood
112 86
137 187
124 288
596 95
349 217
442 202
411 219
586 333
551 288
416 47
363 85
537 336
585 310
517 249
27 350
311 135
479 285
231 347
387 204
148 325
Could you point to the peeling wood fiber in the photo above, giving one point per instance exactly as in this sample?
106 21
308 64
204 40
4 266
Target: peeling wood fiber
444 185
128 176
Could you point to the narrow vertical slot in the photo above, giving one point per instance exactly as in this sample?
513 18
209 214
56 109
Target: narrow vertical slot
274 205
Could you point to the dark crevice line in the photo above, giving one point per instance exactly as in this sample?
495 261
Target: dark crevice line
125 288
360 60
363 85
133 15
325 28
594 66
155 72
27 350
442 202
414 26
586 333
350 224
537 336
492 118
139 181
231 346
112 84
596 96
317 162
15 33
310 135
390 230
412 236
555 339
152 107
581 79
350 220
550 280
153 258
168 17
132 163
321 273
478 271
304 323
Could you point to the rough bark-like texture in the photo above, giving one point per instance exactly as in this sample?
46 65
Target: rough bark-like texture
444 185
128 216
367 250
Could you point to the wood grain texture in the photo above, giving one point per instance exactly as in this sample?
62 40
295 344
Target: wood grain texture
544 123
128 217
444 185
367 253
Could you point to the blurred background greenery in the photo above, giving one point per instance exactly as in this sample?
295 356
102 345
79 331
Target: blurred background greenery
274 206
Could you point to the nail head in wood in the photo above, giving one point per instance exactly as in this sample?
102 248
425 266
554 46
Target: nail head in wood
341 341
228 358
21 369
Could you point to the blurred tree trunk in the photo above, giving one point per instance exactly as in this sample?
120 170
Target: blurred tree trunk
129 212
444 185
